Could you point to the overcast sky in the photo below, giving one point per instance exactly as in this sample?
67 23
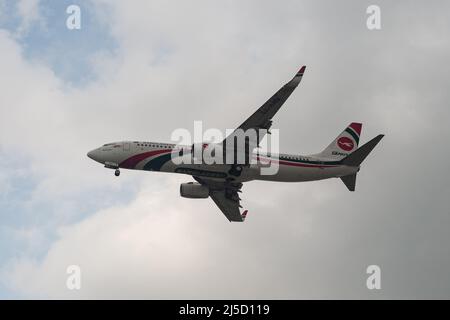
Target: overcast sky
140 69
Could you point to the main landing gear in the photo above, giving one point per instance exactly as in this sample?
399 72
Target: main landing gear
117 172
235 170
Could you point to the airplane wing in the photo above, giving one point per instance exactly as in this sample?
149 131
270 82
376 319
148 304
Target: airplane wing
229 207
262 118
225 195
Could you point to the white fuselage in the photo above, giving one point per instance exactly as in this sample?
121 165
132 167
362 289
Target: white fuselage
152 156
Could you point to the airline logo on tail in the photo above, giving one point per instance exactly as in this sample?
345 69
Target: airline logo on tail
345 143
350 137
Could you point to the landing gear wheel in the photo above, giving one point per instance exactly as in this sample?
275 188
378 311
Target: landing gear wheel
235 170
117 172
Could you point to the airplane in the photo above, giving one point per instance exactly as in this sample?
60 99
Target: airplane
223 182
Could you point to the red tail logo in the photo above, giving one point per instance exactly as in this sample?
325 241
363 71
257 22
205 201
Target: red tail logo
345 143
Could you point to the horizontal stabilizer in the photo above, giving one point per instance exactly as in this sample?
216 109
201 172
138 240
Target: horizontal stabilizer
349 181
358 156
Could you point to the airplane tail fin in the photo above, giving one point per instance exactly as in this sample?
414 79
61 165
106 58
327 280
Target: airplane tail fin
356 158
344 144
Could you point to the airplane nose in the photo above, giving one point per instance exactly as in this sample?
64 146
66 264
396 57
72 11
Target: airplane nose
91 154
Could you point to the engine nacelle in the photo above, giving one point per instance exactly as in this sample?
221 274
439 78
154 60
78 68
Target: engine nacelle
194 190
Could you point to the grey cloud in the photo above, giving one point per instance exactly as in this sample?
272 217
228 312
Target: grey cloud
220 62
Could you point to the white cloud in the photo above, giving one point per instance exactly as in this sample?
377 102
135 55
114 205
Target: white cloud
30 15
151 248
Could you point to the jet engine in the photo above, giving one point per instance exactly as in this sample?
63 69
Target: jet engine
194 190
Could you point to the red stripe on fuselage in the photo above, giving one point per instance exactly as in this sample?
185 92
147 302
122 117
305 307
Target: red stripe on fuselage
306 165
132 161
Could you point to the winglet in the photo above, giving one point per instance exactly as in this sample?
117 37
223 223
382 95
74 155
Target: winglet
297 78
301 71
244 215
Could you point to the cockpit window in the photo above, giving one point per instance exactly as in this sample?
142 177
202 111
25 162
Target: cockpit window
108 144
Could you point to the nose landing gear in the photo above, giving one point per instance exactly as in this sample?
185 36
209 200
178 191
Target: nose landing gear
117 172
